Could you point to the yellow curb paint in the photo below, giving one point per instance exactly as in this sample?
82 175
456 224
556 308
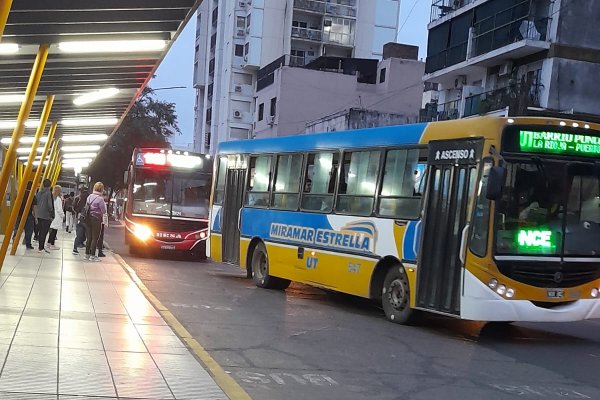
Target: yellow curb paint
231 388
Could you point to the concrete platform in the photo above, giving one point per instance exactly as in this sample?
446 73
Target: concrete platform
74 329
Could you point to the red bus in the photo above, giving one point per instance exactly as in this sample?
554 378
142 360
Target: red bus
167 203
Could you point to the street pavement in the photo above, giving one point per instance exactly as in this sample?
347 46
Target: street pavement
305 343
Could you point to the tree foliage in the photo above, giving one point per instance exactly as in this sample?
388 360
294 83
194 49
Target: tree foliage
149 123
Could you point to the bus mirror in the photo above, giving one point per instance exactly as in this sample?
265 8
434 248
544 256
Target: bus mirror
494 184
125 176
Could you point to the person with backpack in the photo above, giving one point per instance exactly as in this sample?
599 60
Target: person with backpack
93 213
70 223
78 204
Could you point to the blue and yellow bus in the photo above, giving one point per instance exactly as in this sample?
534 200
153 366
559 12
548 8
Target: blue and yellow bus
489 219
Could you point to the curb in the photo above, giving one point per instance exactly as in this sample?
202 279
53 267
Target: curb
229 386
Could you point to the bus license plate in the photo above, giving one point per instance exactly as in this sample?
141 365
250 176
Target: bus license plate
167 247
556 293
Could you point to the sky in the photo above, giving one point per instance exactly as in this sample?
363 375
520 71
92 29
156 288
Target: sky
177 68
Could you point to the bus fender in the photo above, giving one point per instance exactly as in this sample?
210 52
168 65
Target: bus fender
379 273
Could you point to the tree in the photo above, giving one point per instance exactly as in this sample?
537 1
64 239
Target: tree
149 123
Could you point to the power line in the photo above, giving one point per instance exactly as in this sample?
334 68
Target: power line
408 16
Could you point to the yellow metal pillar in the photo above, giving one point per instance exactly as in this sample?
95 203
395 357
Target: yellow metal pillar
32 86
36 182
50 164
57 173
4 11
16 204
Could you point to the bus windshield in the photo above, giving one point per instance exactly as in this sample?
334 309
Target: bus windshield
549 208
171 194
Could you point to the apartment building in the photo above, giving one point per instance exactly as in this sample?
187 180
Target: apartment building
513 57
354 92
234 39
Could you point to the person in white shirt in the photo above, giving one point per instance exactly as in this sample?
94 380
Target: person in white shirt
59 216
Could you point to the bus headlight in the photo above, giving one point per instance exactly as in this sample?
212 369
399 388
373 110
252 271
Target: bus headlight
493 284
510 293
595 292
196 236
501 290
142 232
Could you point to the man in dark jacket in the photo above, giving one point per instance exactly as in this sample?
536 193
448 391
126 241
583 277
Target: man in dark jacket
78 204
44 214
29 218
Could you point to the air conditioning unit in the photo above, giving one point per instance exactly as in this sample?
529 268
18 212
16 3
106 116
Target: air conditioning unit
240 33
505 69
271 120
237 114
238 88
242 4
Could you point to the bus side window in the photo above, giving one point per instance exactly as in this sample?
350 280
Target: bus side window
403 184
319 182
358 179
221 177
287 182
259 181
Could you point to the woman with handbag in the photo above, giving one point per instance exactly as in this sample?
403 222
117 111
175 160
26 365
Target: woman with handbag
94 211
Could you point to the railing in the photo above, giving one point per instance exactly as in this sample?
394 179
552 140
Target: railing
517 98
345 39
446 58
300 61
448 110
307 33
441 8
341 8
512 32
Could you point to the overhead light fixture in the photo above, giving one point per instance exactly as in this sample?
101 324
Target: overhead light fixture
24 140
97 95
11 124
9 48
112 46
26 150
79 155
77 161
84 148
89 121
85 138
11 98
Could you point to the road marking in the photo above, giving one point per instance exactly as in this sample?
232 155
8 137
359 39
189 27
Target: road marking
231 388
539 391
281 378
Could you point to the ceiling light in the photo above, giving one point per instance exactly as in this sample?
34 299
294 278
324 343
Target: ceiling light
9 48
79 155
85 138
12 124
27 150
77 161
89 121
71 149
24 140
112 46
95 96
11 98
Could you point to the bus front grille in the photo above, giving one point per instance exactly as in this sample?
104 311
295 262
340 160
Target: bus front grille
548 275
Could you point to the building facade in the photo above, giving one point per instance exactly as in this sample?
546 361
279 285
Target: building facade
290 99
234 39
513 57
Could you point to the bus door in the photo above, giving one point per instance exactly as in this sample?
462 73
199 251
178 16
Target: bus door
232 206
452 176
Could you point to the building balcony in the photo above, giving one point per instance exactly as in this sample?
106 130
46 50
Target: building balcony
448 110
307 33
441 8
516 98
300 61
342 8
339 38
487 40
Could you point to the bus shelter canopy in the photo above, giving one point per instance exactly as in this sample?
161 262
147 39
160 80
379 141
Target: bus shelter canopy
102 53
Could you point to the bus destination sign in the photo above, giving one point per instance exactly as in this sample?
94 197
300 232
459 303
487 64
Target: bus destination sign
559 143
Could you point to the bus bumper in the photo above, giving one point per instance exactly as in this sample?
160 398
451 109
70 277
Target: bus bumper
479 303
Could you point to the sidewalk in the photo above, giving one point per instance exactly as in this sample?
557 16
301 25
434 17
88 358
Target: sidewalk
70 328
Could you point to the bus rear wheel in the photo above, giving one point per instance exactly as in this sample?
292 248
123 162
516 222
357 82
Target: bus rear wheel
260 271
395 296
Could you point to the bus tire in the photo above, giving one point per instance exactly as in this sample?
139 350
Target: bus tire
260 271
395 296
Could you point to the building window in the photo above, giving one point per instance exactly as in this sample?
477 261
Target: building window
382 75
248 21
261 111
239 50
273 106
241 22
247 48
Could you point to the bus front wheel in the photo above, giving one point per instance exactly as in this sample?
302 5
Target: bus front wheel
395 296
260 271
